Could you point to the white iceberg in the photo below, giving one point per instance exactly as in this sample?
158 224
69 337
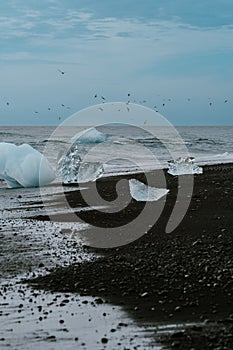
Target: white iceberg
72 169
184 166
23 166
91 135
143 193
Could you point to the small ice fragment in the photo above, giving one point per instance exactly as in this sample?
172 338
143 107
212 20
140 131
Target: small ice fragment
184 166
72 169
23 166
143 193
91 135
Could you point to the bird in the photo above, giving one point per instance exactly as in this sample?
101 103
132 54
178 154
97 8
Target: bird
128 95
95 96
210 103
225 101
101 109
36 112
103 98
61 71
49 109
8 103
62 105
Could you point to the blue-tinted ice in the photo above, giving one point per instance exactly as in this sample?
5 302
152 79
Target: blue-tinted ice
91 135
23 166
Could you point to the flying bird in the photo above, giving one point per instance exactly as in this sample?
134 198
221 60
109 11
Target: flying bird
61 71
225 101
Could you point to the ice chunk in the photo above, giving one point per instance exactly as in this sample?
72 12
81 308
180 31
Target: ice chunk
90 171
23 166
91 135
183 166
68 166
72 169
143 193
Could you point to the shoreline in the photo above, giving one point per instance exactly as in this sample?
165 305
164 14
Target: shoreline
183 276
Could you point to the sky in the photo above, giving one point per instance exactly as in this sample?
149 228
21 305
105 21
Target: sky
174 56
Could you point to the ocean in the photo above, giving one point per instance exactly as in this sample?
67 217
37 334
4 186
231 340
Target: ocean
129 148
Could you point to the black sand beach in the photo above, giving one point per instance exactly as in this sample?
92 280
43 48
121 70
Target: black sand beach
183 276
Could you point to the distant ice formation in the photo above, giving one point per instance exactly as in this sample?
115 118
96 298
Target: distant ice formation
23 166
91 135
72 169
184 166
143 193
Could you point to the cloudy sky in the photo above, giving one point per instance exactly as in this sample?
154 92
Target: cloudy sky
175 56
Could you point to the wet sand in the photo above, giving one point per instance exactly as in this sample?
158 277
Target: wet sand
184 276
32 318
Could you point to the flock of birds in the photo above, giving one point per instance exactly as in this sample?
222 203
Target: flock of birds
103 100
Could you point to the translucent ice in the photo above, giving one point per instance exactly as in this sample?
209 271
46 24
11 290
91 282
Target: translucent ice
90 172
68 165
183 166
23 166
91 135
72 169
143 193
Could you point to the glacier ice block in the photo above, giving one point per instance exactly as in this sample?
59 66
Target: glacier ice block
23 166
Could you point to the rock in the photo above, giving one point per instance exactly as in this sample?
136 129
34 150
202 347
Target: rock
104 340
